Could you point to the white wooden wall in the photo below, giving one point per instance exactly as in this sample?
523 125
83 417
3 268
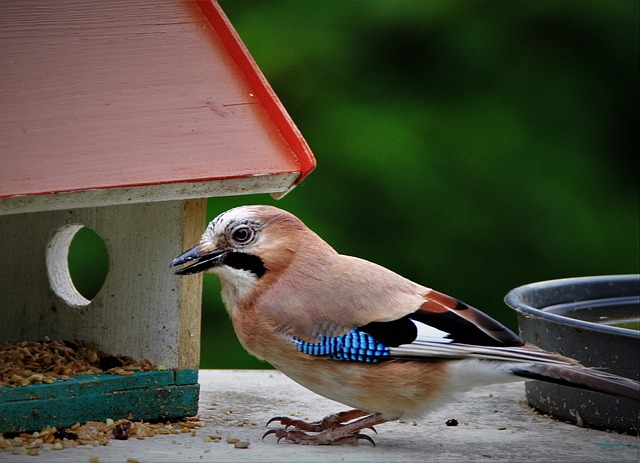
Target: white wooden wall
142 310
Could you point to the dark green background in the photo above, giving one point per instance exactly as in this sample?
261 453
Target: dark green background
472 146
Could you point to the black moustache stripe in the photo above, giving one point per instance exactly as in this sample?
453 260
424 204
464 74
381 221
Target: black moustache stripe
243 261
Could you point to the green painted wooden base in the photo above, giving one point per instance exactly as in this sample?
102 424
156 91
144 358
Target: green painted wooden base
145 395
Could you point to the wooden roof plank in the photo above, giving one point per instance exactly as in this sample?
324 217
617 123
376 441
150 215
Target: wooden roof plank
100 95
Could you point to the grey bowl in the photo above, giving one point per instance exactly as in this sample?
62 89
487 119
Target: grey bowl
576 317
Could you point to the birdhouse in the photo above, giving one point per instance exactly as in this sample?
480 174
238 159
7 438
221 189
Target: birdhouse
122 117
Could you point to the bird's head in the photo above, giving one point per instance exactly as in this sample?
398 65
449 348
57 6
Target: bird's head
245 245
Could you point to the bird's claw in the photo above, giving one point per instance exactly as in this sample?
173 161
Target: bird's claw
339 429
353 440
298 437
322 438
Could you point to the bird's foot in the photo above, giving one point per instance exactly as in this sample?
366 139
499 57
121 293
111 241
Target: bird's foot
335 429
328 422
325 437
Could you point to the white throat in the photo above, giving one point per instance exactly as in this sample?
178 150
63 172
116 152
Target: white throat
236 285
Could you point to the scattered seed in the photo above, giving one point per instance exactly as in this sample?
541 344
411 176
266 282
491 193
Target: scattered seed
242 444
35 443
232 440
95 458
121 431
91 433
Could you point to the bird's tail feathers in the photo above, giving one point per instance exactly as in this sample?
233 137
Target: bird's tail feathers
425 350
580 377
525 361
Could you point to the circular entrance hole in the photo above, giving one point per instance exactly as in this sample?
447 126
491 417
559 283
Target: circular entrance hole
77 263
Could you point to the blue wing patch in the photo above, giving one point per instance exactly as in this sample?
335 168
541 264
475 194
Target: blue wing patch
355 346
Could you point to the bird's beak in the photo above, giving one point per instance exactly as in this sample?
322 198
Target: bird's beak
203 262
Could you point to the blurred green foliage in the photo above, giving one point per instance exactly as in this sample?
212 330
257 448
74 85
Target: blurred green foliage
88 262
470 146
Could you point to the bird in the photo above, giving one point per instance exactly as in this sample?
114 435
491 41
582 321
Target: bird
358 333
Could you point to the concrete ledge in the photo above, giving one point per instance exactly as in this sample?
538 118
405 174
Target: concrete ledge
495 424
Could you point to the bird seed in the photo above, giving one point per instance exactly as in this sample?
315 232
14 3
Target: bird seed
36 362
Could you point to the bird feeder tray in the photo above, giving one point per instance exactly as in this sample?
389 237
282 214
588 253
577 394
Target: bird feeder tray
123 116
144 395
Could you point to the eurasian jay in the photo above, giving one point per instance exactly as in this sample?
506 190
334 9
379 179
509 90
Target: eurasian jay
358 333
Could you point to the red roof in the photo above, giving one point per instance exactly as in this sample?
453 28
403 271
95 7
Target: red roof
106 95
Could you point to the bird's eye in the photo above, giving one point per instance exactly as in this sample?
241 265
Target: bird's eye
242 235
